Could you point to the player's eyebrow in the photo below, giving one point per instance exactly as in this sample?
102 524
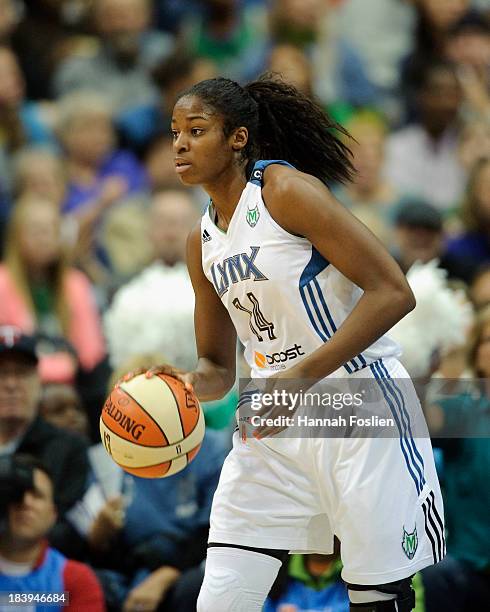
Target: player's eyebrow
191 117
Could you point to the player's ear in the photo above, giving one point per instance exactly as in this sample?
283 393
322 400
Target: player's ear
239 138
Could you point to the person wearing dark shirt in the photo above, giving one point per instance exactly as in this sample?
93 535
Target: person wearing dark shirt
419 237
474 242
22 430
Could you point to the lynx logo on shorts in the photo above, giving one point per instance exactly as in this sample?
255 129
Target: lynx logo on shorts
410 542
253 215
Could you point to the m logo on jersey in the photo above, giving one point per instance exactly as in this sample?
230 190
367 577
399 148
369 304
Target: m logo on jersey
253 216
235 269
410 542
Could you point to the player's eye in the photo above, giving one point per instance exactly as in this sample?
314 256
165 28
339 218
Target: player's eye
197 131
174 134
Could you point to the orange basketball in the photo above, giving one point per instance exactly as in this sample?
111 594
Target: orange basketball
152 427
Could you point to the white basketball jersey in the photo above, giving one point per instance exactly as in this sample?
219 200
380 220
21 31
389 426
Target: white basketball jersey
284 298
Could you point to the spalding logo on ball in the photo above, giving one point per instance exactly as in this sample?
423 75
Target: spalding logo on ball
152 427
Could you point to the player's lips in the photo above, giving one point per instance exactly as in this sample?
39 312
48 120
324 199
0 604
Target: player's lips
181 165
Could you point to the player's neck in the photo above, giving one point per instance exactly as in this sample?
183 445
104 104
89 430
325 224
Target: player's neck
225 195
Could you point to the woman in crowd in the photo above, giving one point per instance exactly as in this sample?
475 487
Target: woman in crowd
40 293
474 243
371 197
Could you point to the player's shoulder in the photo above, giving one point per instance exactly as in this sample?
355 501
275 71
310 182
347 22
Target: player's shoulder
280 181
194 237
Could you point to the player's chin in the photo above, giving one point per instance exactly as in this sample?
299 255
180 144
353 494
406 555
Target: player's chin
189 177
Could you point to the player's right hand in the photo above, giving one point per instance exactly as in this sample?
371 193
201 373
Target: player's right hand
187 378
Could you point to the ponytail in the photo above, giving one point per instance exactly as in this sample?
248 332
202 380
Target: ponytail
294 128
282 123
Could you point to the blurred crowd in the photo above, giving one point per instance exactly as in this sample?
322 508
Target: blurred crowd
93 225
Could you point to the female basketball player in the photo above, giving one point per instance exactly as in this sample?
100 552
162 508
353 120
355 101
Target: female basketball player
278 261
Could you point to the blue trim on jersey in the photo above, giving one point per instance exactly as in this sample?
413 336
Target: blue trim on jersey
403 409
317 264
259 167
246 397
310 314
334 327
331 321
313 268
406 444
327 333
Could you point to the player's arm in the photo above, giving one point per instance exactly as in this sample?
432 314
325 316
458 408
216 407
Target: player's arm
215 333
302 205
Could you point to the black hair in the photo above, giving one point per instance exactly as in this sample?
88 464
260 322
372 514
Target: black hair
430 68
472 22
282 123
34 463
175 67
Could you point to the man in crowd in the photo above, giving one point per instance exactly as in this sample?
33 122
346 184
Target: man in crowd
419 236
27 563
22 430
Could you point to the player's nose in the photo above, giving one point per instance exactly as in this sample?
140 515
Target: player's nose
181 143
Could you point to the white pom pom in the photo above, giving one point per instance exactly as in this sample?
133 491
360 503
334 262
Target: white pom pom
438 322
153 313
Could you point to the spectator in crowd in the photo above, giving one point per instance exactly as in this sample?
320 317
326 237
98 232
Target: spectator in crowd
61 406
230 33
120 66
480 287
21 122
40 171
293 65
370 196
339 72
381 31
474 143
422 158
170 13
42 295
47 31
468 46
8 20
435 18
460 581
172 75
474 243
22 430
28 564
310 583
136 323
98 173
419 236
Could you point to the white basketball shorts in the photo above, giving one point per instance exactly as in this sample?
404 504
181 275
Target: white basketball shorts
379 496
